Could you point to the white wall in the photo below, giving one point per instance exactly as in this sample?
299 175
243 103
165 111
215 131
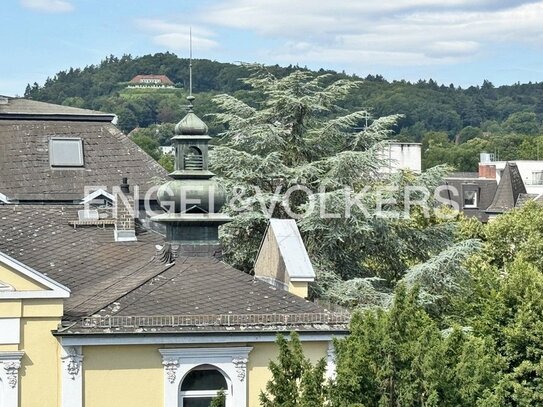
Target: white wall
403 156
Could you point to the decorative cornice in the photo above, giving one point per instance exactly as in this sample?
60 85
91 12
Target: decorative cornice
170 367
72 360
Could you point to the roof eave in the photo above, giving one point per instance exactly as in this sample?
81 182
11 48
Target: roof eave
58 117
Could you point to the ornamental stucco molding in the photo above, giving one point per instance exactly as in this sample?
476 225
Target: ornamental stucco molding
241 367
11 363
73 361
170 367
12 372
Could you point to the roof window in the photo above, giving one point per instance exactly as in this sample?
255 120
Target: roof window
66 152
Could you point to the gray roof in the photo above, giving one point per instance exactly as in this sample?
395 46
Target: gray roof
20 108
486 188
109 155
96 269
509 189
110 279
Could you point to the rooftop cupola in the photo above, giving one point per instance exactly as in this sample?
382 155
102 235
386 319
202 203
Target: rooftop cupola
191 147
192 198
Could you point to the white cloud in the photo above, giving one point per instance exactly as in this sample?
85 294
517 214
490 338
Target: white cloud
49 6
398 32
174 36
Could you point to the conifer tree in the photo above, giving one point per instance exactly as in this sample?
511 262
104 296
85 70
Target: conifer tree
298 134
295 382
219 400
399 357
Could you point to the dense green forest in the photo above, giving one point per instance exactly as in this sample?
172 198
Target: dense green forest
454 124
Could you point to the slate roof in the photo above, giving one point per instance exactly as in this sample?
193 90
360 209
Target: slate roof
509 189
111 279
109 155
31 109
486 191
85 259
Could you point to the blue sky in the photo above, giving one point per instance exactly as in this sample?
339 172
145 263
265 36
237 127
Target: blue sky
452 41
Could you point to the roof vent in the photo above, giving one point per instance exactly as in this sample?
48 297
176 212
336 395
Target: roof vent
4 100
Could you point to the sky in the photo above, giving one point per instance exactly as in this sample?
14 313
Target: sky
451 41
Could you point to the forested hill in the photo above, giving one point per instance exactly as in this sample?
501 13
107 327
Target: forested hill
454 124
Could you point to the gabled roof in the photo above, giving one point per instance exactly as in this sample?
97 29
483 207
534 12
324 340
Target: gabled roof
53 288
20 108
509 189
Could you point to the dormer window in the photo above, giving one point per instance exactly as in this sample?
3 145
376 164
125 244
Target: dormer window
470 198
66 152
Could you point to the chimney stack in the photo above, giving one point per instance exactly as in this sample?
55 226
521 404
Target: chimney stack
125 225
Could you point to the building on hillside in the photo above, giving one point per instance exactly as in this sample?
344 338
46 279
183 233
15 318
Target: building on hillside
402 156
150 81
99 310
481 196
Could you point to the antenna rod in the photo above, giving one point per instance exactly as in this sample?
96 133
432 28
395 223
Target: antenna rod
190 63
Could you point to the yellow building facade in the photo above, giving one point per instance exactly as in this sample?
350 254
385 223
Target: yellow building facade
41 367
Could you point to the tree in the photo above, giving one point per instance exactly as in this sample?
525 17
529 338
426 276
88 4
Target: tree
127 120
167 161
219 400
147 144
295 382
301 136
399 357
469 133
504 303
522 123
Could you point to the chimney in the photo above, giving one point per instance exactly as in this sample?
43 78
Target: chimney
487 169
125 225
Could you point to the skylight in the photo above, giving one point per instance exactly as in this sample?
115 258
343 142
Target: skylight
66 152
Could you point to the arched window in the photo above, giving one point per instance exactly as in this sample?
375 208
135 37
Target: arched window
201 385
194 160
